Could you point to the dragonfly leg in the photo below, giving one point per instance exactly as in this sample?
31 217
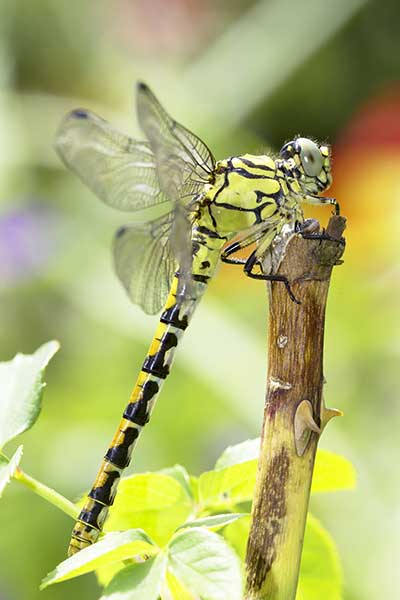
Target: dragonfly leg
232 249
240 244
309 230
248 269
310 199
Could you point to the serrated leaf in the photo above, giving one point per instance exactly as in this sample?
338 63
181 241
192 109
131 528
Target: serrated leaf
239 453
205 564
154 502
215 522
21 388
142 581
320 571
112 548
8 468
228 486
332 472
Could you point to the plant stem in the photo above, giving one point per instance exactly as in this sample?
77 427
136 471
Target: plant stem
294 416
47 493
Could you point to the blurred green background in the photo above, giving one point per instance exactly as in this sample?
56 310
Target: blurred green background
245 76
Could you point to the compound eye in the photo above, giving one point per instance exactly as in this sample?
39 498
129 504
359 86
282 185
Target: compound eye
310 156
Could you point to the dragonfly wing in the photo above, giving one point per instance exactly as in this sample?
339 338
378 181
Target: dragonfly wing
184 162
118 169
145 262
184 165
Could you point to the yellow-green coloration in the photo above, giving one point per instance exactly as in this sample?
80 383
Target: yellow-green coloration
169 261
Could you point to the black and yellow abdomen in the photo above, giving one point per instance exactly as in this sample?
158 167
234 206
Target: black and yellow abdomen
155 369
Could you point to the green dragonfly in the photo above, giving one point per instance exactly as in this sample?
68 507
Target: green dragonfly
166 263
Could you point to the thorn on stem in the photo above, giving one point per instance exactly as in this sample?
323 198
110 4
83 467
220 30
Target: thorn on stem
304 424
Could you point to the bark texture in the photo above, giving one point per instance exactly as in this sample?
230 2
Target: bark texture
294 415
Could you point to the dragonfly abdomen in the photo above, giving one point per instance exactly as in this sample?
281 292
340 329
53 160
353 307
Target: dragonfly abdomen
155 369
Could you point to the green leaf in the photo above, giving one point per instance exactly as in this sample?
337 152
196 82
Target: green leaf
237 534
320 571
176 590
239 453
112 548
154 502
8 467
21 388
332 472
205 565
215 522
106 573
194 488
142 581
181 475
228 486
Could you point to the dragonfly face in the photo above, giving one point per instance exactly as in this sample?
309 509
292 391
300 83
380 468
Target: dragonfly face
309 163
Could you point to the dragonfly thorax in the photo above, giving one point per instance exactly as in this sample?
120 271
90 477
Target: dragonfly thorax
248 190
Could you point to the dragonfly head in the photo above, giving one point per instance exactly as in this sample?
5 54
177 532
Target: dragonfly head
308 162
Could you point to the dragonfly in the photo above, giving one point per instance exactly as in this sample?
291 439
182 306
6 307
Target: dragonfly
211 210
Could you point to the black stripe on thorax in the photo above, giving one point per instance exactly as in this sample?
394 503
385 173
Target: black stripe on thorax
261 195
208 232
257 211
249 163
223 186
243 173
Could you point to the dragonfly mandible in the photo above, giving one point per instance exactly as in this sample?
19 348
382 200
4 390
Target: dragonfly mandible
166 263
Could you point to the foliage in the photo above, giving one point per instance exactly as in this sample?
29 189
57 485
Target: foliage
21 388
171 535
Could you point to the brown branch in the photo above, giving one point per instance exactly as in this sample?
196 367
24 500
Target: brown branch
294 415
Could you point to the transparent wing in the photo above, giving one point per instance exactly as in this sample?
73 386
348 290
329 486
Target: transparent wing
184 163
118 169
145 263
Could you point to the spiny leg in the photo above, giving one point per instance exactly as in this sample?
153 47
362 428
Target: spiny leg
238 245
252 260
321 200
248 269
